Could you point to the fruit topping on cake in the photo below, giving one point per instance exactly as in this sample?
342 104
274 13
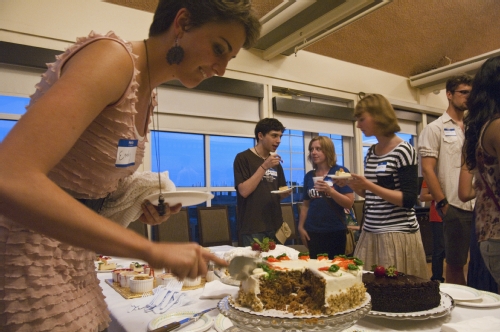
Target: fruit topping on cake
264 246
389 272
304 255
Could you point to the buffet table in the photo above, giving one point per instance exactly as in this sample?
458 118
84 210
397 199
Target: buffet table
138 320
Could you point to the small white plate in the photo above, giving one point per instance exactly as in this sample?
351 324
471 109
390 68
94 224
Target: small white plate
340 177
487 300
222 323
204 323
280 191
186 198
459 292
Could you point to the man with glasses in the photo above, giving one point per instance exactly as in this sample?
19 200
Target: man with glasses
440 147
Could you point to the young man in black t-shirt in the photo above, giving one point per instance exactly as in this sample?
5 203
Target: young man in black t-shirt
257 172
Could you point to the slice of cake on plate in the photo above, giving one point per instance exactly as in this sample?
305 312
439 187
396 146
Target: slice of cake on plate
105 263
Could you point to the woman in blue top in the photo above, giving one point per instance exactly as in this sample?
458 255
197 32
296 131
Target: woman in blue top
322 219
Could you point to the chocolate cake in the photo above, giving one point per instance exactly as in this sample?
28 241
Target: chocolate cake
403 293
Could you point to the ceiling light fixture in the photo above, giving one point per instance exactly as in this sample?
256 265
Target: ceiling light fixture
440 75
294 25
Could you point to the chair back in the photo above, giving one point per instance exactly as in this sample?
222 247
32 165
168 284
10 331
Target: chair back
289 218
139 228
175 229
358 207
213 226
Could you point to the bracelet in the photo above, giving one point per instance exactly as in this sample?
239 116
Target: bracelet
442 203
263 168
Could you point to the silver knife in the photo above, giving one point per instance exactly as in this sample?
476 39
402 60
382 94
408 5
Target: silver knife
183 322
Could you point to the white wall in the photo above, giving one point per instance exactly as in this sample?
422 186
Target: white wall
55 24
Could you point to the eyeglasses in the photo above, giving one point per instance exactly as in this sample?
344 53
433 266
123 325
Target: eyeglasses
463 92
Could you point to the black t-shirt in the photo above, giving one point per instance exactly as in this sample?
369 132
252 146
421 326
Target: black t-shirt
261 210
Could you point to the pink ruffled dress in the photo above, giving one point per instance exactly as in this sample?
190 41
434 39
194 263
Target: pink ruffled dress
46 285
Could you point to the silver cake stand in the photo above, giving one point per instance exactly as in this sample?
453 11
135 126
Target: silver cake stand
245 320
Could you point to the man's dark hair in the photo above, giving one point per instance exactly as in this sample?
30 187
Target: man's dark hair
266 125
453 82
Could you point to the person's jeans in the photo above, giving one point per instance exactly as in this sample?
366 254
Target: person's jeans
438 253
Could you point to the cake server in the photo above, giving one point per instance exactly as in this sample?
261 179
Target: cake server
241 267
183 322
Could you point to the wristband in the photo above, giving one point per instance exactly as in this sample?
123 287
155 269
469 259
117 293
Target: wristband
263 168
442 203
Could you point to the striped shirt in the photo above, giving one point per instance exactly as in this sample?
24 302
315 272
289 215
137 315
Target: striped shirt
380 215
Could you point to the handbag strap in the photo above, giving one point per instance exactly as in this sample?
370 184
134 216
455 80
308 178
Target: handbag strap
489 191
329 200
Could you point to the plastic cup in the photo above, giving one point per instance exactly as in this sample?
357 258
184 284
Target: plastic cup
317 178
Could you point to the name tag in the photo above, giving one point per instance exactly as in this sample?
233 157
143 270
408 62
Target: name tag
450 132
381 167
125 156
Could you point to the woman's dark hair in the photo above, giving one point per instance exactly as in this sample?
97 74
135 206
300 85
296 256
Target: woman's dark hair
205 11
483 104
266 125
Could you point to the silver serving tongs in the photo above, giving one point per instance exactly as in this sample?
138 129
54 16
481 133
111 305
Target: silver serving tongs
241 267
183 322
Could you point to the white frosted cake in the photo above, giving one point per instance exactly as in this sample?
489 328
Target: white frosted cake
305 286
248 252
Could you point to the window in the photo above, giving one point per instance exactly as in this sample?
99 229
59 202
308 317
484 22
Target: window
185 156
292 151
223 150
13 105
5 127
11 109
338 143
369 141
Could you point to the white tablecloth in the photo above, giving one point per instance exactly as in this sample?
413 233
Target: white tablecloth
138 320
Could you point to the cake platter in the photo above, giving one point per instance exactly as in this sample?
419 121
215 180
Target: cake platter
244 319
446 305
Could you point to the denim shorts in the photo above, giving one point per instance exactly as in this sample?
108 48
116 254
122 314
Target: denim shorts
490 250
457 228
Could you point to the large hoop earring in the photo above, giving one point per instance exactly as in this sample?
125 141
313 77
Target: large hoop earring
175 54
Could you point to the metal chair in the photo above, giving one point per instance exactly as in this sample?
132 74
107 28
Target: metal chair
175 229
213 226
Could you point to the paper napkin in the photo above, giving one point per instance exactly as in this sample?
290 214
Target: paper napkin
218 290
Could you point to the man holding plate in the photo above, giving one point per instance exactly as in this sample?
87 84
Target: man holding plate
257 173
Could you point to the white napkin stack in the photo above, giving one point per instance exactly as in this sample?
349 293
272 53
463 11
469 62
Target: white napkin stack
483 324
218 290
164 299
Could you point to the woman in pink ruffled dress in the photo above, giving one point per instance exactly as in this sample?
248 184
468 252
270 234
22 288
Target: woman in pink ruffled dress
62 159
